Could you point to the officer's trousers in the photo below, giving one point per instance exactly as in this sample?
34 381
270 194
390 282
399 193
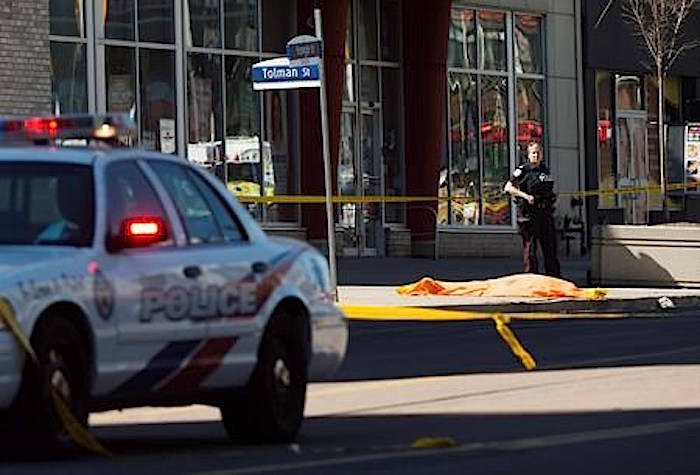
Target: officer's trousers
540 228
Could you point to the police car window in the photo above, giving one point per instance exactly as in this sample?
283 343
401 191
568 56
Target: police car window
46 204
130 195
198 218
229 226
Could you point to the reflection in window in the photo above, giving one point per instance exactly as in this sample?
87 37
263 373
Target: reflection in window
367 29
629 92
241 24
347 176
349 83
462 41
119 19
391 148
204 106
279 24
120 66
157 85
201 23
282 176
530 109
156 21
494 137
465 169
67 18
528 44
492 40
391 30
369 89
606 164
68 78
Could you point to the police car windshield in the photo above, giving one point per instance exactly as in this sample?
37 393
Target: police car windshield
46 204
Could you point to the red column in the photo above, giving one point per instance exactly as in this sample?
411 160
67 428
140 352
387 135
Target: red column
425 31
334 13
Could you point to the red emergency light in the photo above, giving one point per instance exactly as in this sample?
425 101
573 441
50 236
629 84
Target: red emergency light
118 128
147 227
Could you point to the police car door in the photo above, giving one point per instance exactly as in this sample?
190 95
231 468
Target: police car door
226 267
147 265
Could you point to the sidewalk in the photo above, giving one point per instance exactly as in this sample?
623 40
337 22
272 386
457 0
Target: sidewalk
373 281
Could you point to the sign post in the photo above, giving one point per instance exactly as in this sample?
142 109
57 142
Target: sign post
302 68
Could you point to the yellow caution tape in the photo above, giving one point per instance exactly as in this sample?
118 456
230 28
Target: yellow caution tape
433 442
369 199
75 430
509 337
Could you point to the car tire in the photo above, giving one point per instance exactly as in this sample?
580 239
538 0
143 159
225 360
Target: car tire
63 368
271 409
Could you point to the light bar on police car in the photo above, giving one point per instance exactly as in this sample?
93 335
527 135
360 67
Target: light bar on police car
83 126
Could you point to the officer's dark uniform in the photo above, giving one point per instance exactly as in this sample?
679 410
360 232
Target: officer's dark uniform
535 220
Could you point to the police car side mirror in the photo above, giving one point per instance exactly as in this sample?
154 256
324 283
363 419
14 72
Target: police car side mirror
138 232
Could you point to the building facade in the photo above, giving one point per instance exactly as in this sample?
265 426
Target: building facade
428 99
622 122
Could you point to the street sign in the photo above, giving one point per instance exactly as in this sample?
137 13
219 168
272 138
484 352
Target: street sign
278 74
304 50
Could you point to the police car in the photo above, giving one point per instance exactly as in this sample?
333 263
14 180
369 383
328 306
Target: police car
140 280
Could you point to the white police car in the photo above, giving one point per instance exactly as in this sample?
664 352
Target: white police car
141 281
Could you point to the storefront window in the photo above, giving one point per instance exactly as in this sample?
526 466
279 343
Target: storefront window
157 86
492 40
67 18
119 19
528 44
606 163
462 39
392 143
368 29
530 113
201 23
391 30
494 138
369 89
629 92
156 21
204 106
465 174
120 63
68 78
241 24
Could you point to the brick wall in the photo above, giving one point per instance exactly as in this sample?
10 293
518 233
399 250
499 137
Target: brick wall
25 76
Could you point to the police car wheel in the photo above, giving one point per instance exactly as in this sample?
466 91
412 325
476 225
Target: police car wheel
272 408
63 371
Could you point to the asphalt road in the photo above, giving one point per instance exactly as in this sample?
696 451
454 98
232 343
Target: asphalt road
608 397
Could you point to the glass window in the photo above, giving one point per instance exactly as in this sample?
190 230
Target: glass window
465 173
120 64
462 39
392 143
349 83
204 105
119 19
68 78
281 174
391 30
528 44
130 195
492 40
202 23
198 218
157 80
367 29
222 213
241 24
279 24
629 92
156 21
494 137
530 112
67 18
347 175
45 203
606 163
369 89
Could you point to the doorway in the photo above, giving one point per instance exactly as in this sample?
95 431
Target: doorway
632 165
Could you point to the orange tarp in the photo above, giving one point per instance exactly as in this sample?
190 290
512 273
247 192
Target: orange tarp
517 285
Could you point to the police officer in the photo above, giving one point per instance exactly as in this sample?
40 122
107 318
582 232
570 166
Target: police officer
532 187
